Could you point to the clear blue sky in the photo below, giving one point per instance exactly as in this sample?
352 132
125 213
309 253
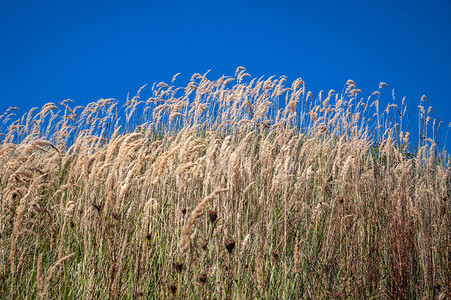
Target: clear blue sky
86 50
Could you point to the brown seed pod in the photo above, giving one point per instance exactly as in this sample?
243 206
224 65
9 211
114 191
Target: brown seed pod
173 289
183 211
178 266
204 244
148 236
437 285
229 244
202 278
213 216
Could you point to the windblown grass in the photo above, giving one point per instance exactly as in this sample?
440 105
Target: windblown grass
235 188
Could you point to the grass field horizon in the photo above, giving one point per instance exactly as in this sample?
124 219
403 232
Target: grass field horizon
232 188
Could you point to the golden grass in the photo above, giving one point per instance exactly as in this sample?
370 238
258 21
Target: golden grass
213 191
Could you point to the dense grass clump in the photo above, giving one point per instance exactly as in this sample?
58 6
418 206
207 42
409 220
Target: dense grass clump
221 190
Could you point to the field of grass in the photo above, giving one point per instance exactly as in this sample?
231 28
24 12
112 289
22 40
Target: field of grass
236 188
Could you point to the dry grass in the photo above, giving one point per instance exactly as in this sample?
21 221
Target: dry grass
212 191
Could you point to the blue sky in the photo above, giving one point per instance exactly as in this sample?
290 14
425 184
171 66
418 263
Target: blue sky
86 50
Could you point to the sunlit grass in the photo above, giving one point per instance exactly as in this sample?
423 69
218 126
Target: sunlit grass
213 191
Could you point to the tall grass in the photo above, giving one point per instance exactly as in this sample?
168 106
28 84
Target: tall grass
237 188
